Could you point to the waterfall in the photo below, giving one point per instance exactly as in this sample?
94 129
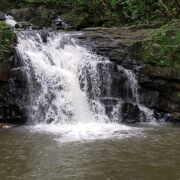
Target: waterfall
68 86
63 79
132 84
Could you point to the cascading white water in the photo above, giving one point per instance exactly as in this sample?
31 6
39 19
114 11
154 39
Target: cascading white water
64 87
10 20
56 70
133 83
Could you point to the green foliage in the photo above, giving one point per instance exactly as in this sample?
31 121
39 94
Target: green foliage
6 5
7 38
163 46
109 12
51 2
144 11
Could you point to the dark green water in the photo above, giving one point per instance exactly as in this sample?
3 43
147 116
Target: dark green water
37 156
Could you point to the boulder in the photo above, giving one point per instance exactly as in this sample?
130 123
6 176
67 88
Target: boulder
25 25
168 105
161 72
58 23
175 96
4 71
23 14
38 16
130 113
6 126
176 116
149 98
2 16
158 85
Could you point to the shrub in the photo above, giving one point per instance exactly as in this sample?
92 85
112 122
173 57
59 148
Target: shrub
7 38
163 46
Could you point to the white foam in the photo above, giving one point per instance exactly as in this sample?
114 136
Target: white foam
84 132
56 70
10 20
65 83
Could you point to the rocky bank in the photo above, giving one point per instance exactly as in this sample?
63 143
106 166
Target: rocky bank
159 86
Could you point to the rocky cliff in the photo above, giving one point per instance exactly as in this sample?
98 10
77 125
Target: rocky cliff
10 86
159 83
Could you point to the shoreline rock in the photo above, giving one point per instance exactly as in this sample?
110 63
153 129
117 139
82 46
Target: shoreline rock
2 16
120 44
6 126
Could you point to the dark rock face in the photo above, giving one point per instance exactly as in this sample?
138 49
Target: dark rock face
25 25
2 16
149 97
39 16
11 110
23 14
166 73
36 16
165 82
159 87
131 113
58 23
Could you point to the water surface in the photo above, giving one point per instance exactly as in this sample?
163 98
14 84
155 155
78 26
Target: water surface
152 154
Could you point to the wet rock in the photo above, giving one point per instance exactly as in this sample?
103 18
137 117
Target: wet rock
38 16
4 71
109 101
161 72
11 110
59 23
168 105
175 97
12 114
158 86
176 85
130 113
167 117
149 98
23 14
119 74
120 85
25 25
163 116
6 126
109 110
2 16
176 116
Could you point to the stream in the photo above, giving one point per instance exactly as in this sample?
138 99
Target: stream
77 118
27 154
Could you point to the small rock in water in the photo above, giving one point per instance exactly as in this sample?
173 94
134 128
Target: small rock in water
130 113
59 23
6 126
2 16
25 25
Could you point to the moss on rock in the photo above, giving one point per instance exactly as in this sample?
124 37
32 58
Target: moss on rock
162 47
7 39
